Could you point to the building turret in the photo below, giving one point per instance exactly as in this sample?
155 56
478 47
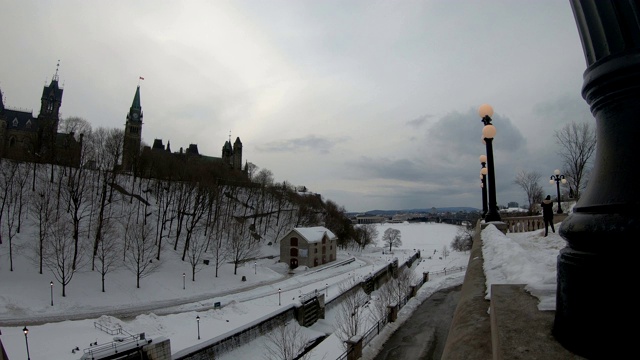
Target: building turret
48 119
132 134
237 154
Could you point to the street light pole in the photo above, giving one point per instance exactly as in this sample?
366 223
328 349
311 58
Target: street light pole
255 267
557 177
605 219
483 177
198 321
51 283
279 290
26 341
183 281
488 133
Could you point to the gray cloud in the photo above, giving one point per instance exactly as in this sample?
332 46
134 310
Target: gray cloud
371 104
310 143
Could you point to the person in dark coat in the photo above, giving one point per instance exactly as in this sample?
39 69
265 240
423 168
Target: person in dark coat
547 214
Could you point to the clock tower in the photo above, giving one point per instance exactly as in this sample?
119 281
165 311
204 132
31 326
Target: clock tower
132 134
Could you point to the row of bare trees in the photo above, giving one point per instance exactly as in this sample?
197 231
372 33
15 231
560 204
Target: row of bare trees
97 217
287 341
577 144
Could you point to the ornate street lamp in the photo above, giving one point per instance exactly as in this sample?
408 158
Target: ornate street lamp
483 185
26 341
183 280
557 178
198 321
279 290
51 283
601 232
488 133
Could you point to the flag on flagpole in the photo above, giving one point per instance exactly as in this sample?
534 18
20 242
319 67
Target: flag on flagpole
141 78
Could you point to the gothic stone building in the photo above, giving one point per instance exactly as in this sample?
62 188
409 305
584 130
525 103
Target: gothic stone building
24 137
159 155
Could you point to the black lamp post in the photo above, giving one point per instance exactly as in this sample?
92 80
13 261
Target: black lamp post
255 267
601 232
488 133
183 281
279 290
198 321
557 178
26 341
51 283
483 177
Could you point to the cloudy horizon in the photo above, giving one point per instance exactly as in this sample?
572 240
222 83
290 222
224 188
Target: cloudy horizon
372 104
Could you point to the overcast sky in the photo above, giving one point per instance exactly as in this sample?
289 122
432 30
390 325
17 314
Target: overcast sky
372 104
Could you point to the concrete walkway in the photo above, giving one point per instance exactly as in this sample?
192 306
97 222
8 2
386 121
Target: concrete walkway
423 335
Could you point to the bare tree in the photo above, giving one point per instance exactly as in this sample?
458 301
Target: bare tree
349 318
577 145
463 239
107 251
197 208
366 234
76 125
402 283
42 207
381 299
196 250
7 174
75 192
530 183
240 245
392 237
139 249
108 146
60 252
165 194
286 342
445 251
11 195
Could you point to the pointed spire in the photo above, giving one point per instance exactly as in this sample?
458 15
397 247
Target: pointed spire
136 100
55 76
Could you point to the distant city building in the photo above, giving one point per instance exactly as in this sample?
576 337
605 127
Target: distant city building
370 219
24 137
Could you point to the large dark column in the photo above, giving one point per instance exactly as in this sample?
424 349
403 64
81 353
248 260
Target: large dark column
594 303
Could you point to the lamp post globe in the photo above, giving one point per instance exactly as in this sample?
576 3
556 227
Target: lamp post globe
488 134
485 110
26 341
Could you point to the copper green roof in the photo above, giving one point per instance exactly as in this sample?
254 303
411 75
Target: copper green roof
136 100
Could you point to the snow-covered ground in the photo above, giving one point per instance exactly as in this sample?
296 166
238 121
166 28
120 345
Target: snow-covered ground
25 296
169 302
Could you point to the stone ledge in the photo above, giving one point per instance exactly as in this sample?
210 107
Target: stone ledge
519 330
